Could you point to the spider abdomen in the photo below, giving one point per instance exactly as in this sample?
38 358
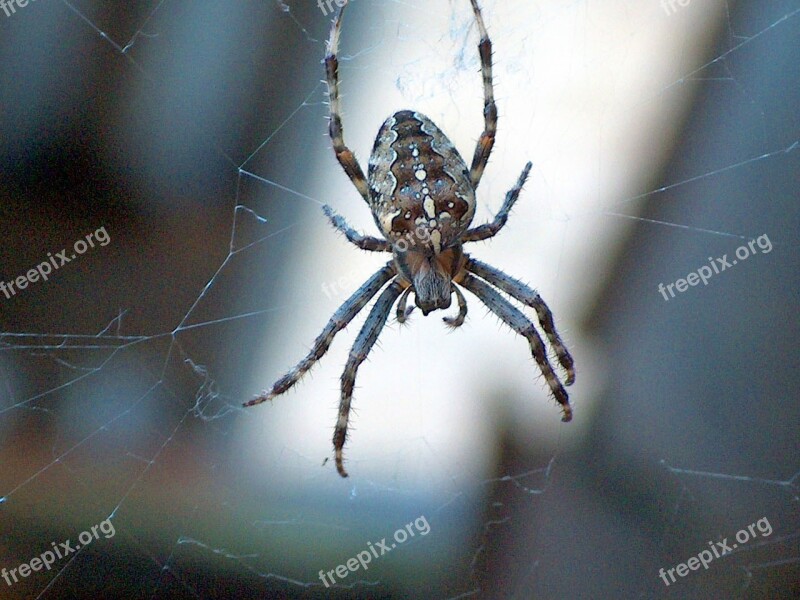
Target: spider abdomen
420 190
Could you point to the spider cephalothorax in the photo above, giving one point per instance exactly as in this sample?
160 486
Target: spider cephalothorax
422 196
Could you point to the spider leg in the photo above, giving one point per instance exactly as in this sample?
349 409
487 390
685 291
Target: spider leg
344 155
343 315
519 291
361 348
402 311
364 242
458 320
486 141
487 230
512 317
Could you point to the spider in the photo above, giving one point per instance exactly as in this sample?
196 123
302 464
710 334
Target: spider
422 198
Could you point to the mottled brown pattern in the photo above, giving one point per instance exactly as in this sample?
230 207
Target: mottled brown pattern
413 160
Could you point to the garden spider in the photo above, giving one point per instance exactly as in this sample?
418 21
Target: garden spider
422 197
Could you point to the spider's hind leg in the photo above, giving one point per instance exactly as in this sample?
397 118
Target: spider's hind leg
344 155
486 141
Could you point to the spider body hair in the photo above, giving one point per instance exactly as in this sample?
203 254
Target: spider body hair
422 197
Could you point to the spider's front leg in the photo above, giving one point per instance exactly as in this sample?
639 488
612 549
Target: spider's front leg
519 291
343 315
512 317
361 348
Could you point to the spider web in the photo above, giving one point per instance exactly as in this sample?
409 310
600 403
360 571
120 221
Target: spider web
196 137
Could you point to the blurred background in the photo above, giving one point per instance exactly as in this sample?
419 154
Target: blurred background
663 135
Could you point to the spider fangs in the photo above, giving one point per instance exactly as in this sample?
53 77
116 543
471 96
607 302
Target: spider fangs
422 197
